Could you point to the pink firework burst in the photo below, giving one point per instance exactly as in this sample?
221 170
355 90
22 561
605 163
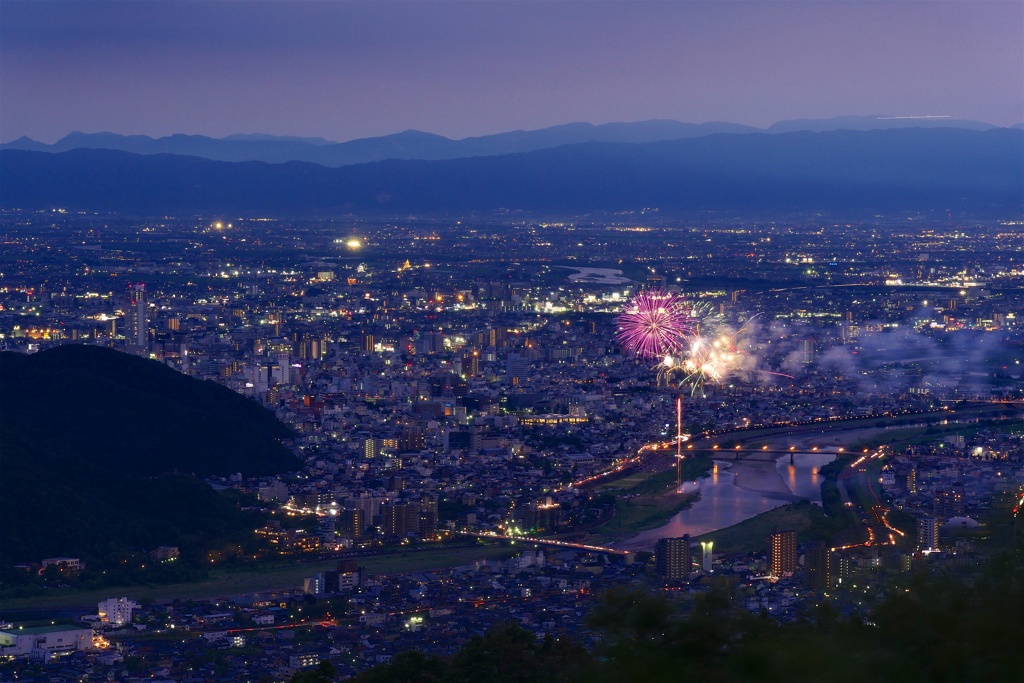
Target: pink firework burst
655 324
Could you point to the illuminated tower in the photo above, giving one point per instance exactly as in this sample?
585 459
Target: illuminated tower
136 330
707 556
782 553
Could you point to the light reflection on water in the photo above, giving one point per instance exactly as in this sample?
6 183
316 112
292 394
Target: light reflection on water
736 491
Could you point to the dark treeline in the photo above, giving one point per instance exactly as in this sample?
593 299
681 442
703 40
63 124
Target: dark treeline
934 629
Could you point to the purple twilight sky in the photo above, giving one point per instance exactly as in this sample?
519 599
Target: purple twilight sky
343 70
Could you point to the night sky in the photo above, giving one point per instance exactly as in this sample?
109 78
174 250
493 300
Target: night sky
347 70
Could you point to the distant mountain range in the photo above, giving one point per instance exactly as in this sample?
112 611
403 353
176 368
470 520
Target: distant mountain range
414 144
906 169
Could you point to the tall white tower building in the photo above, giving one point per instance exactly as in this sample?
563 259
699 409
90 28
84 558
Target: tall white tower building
136 326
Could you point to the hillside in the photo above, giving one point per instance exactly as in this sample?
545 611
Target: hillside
103 451
908 170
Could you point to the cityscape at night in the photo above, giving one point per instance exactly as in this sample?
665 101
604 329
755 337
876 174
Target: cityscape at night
606 401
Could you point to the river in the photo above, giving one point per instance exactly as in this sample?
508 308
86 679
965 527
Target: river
738 490
596 276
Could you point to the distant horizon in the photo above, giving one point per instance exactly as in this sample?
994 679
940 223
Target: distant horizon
353 70
880 117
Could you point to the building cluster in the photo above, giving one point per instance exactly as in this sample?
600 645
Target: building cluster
446 379
951 485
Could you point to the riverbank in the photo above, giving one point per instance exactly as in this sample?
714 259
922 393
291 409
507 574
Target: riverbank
808 521
646 499
736 491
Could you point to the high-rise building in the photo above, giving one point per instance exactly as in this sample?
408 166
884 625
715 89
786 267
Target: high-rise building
928 533
808 351
398 520
136 329
672 557
843 568
949 503
369 504
412 438
819 567
392 520
372 447
471 363
542 515
782 553
517 367
350 523
912 480
428 515
284 369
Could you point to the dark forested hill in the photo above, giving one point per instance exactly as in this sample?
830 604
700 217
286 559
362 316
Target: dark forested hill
101 450
979 172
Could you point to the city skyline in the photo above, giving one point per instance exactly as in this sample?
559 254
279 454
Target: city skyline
350 70
683 340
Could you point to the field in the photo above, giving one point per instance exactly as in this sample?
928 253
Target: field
261 579
644 512
648 499
694 467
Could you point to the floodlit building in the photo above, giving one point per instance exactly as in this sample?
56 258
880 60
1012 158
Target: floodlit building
782 553
707 558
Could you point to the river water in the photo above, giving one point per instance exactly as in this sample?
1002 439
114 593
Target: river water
596 276
739 490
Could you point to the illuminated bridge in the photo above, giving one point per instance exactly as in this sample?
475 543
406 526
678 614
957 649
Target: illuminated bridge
544 541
